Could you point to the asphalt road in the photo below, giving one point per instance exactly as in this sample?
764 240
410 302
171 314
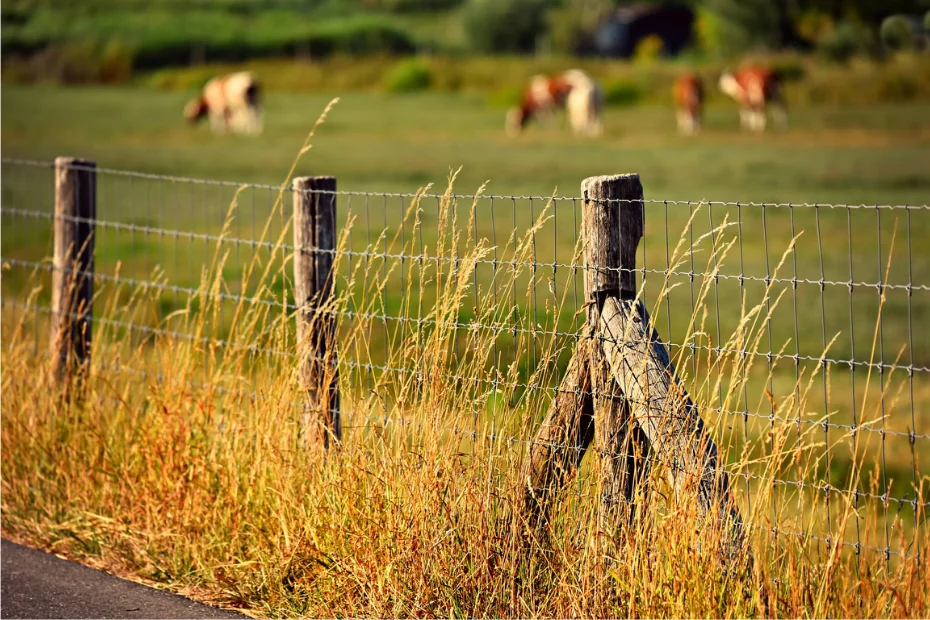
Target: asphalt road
35 584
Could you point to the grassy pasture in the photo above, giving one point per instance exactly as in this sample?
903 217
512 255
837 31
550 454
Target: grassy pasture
397 143
380 144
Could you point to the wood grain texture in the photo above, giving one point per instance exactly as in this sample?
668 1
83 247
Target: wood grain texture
588 402
663 409
315 243
622 448
73 274
612 222
562 439
612 218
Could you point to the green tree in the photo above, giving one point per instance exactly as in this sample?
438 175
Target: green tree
896 33
505 25
771 24
868 11
571 20
749 24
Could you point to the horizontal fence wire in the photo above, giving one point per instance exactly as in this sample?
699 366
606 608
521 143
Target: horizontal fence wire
293 355
813 304
268 245
508 439
190 292
366 420
375 194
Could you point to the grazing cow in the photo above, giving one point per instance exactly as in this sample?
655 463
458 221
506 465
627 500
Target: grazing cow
232 103
584 103
755 89
689 103
540 99
573 90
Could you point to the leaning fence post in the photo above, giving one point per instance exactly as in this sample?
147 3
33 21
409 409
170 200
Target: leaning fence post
588 401
640 365
315 245
612 220
73 274
561 441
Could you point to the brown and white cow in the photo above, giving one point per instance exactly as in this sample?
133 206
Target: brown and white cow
573 90
584 103
542 96
755 89
689 103
231 102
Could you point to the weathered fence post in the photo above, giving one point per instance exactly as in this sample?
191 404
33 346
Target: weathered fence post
620 387
73 274
315 245
612 219
664 411
562 439
640 366
588 402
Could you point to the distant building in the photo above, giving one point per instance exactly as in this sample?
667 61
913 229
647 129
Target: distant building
619 33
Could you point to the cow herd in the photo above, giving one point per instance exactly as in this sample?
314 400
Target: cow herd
755 89
232 103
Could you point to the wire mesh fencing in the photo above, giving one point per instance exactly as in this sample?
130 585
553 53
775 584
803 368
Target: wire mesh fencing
796 328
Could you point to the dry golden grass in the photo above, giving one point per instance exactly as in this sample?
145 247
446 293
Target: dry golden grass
180 460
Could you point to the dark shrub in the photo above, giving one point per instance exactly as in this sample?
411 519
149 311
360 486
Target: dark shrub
622 94
897 33
504 25
408 76
849 39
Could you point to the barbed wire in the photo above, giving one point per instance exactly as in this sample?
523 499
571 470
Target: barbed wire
455 196
500 329
496 263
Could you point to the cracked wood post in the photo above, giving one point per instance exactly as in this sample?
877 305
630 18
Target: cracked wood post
315 244
562 439
73 274
663 409
612 219
588 402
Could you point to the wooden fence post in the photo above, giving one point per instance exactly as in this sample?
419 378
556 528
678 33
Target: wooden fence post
73 274
620 388
612 220
315 245
640 366
588 401
562 439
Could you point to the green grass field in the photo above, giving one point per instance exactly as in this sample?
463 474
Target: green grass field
397 143
379 143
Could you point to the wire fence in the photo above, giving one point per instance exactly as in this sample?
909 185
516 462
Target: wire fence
800 319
